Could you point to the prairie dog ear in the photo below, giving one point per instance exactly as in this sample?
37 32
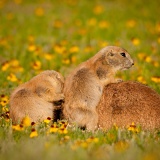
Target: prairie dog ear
110 54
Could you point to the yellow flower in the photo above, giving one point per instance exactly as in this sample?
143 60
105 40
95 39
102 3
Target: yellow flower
5 66
36 65
33 134
92 22
131 23
98 9
157 27
66 61
121 146
73 59
141 79
92 139
59 49
155 79
4 100
39 11
135 41
156 64
57 24
12 77
18 127
103 24
18 1
148 59
26 121
48 120
48 56
141 56
31 38
133 128
53 128
88 49
74 49
158 40
84 145
63 131
103 44
32 47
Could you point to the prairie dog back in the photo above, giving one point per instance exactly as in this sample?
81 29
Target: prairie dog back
36 97
84 86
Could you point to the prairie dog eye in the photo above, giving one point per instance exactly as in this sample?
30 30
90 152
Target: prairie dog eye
123 54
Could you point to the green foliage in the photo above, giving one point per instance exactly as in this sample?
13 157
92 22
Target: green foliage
40 35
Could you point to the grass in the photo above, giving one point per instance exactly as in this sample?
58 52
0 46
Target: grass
40 35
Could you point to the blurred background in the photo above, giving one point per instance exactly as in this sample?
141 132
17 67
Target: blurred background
49 34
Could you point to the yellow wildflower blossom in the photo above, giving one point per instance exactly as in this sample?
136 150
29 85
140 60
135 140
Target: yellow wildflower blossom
33 134
39 11
103 24
26 121
12 77
141 79
48 120
92 22
5 66
66 61
36 65
48 56
141 56
98 9
156 64
31 38
158 40
136 41
53 129
18 1
18 127
155 79
73 59
63 131
131 23
92 139
148 59
4 100
88 49
32 47
59 49
57 24
121 146
74 49
133 128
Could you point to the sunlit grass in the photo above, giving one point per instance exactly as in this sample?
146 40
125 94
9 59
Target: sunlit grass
40 35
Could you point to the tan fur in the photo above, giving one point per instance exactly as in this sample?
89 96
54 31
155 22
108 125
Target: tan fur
84 86
127 102
36 97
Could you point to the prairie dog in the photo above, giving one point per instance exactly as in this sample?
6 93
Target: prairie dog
84 86
38 97
127 102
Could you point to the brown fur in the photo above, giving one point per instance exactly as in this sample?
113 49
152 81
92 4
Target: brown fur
84 86
38 97
127 102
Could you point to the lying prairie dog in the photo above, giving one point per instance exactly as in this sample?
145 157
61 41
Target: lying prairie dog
37 98
84 86
127 102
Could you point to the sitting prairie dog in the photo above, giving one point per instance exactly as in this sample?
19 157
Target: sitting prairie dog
127 102
37 98
84 86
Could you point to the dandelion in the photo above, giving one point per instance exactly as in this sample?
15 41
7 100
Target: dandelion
36 65
135 41
12 77
98 9
26 121
33 134
39 11
131 23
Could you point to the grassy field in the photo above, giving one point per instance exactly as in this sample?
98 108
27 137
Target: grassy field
48 34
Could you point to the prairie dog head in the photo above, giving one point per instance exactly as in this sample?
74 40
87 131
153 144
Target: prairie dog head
116 57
